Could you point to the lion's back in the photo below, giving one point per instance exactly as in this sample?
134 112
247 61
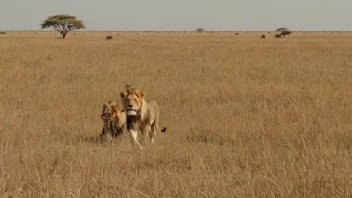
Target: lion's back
153 105
153 110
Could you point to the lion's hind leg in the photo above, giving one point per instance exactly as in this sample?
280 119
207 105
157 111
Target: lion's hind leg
155 124
148 132
153 132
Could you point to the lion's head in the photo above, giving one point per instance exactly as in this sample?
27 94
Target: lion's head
110 111
133 102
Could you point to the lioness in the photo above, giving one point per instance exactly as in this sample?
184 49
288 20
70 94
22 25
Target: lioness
114 119
141 115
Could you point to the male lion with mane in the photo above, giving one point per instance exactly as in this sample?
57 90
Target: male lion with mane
141 115
113 118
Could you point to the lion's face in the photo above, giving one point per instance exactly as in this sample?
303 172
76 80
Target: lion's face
109 111
132 102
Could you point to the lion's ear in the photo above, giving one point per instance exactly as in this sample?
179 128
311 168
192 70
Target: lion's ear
105 105
123 94
115 109
141 94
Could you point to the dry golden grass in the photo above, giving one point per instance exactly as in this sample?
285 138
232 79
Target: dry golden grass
246 117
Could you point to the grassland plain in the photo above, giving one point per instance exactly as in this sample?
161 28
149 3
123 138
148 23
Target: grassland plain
246 117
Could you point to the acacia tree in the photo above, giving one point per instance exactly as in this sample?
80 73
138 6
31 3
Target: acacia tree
63 24
284 31
199 30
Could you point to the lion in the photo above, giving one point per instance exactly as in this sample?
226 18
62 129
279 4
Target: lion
142 115
113 118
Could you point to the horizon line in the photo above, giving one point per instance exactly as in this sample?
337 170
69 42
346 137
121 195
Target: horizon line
35 30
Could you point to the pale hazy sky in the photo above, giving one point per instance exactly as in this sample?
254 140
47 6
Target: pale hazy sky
182 14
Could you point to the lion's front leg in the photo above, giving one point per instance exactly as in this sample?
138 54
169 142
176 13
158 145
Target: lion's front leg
104 131
133 134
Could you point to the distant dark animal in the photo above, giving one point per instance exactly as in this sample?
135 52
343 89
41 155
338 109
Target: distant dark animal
263 36
278 36
237 33
108 37
2 32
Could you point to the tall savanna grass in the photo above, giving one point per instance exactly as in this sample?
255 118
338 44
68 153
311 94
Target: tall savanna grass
245 116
